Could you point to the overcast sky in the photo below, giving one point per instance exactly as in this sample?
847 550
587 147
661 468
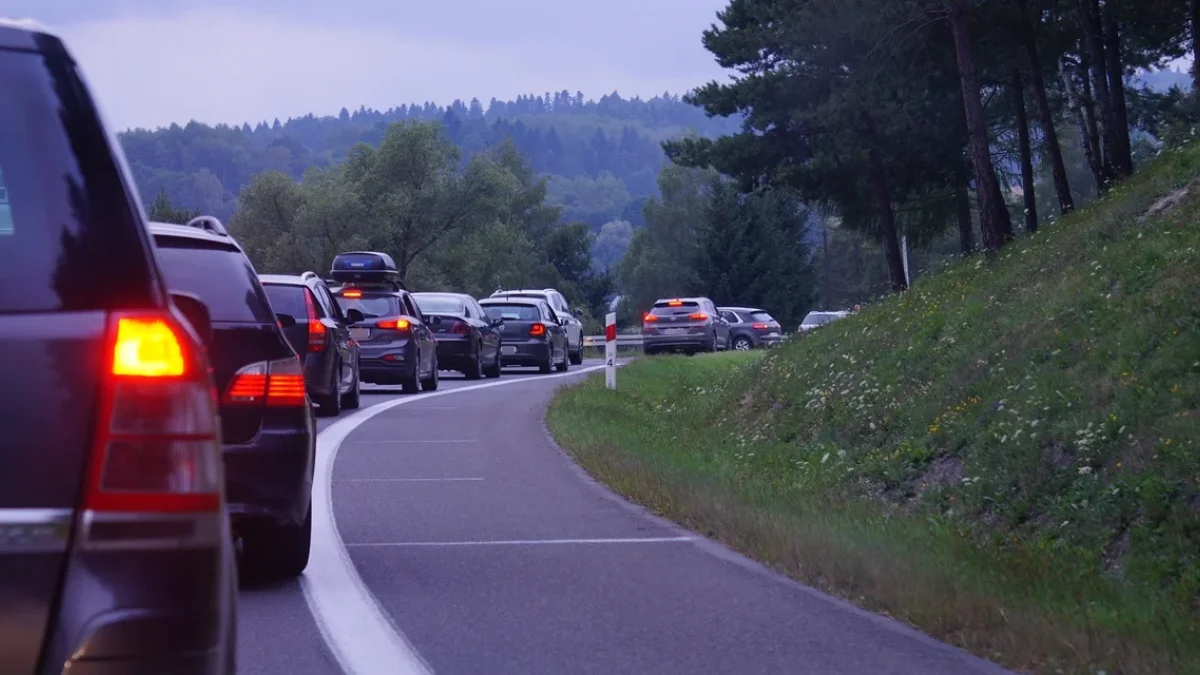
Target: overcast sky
154 62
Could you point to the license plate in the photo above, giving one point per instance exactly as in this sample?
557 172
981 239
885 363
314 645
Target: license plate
360 333
675 331
508 349
773 333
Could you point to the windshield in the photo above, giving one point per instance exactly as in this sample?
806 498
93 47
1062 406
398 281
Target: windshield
513 312
371 306
439 304
815 319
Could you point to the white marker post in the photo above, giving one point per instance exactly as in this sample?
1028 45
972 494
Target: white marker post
610 350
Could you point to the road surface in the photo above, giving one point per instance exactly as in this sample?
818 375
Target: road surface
451 536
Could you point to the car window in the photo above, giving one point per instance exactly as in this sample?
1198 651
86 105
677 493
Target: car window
439 304
221 277
372 306
669 309
410 307
70 237
286 299
762 317
335 310
513 312
731 317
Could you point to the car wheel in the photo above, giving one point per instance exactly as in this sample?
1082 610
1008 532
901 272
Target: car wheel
278 550
351 399
331 405
577 355
412 383
742 344
494 369
474 371
549 364
712 344
566 361
431 384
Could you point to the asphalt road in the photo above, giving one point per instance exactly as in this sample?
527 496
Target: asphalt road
461 541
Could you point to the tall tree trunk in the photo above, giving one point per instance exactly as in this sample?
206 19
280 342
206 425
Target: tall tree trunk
1078 87
1058 168
1196 47
883 207
994 222
826 262
1122 152
1093 38
962 204
1027 181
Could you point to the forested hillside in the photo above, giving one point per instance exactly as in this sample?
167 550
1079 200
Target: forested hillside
602 156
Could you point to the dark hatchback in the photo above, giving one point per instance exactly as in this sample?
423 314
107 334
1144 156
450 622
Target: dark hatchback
531 334
751 327
115 550
267 427
319 332
396 345
468 340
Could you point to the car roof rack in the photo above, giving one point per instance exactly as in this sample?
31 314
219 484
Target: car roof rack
208 224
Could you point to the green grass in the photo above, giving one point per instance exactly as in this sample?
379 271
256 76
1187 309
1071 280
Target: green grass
1007 456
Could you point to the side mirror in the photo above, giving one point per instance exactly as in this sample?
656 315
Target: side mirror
577 312
285 320
196 313
355 316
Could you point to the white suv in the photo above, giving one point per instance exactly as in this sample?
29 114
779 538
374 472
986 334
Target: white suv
562 308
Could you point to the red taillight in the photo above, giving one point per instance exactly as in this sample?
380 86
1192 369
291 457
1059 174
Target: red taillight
698 316
317 332
460 327
537 329
157 446
649 318
761 326
394 324
272 383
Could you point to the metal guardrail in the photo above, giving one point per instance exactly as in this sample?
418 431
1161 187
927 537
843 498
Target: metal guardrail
622 341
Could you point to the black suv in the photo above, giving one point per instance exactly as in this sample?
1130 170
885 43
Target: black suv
267 425
115 549
320 334
396 343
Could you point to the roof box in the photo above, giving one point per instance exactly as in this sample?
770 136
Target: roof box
364 267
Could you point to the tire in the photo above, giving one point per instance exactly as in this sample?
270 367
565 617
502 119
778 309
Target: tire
278 550
712 344
331 405
412 383
742 344
352 399
475 370
577 355
431 384
566 362
494 369
549 364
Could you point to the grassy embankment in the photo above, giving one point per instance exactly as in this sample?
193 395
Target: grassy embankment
1007 456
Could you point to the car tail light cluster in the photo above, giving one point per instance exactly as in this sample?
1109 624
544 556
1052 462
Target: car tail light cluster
698 316
649 318
277 383
537 329
317 332
157 444
460 327
761 326
402 325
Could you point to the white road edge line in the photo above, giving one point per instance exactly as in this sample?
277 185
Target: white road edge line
359 632
405 480
419 442
520 542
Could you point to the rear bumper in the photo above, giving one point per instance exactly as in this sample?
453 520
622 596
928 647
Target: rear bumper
700 340
531 353
271 477
387 364
454 353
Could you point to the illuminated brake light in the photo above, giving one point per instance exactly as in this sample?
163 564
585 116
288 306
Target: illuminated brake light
394 324
273 383
698 316
537 329
146 348
649 318
352 294
157 445
675 303
317 332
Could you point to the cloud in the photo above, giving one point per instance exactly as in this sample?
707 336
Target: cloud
228 65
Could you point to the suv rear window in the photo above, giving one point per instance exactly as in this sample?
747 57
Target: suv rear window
761 317
69 238
443 304
372 306
286 299
221 277
665 309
